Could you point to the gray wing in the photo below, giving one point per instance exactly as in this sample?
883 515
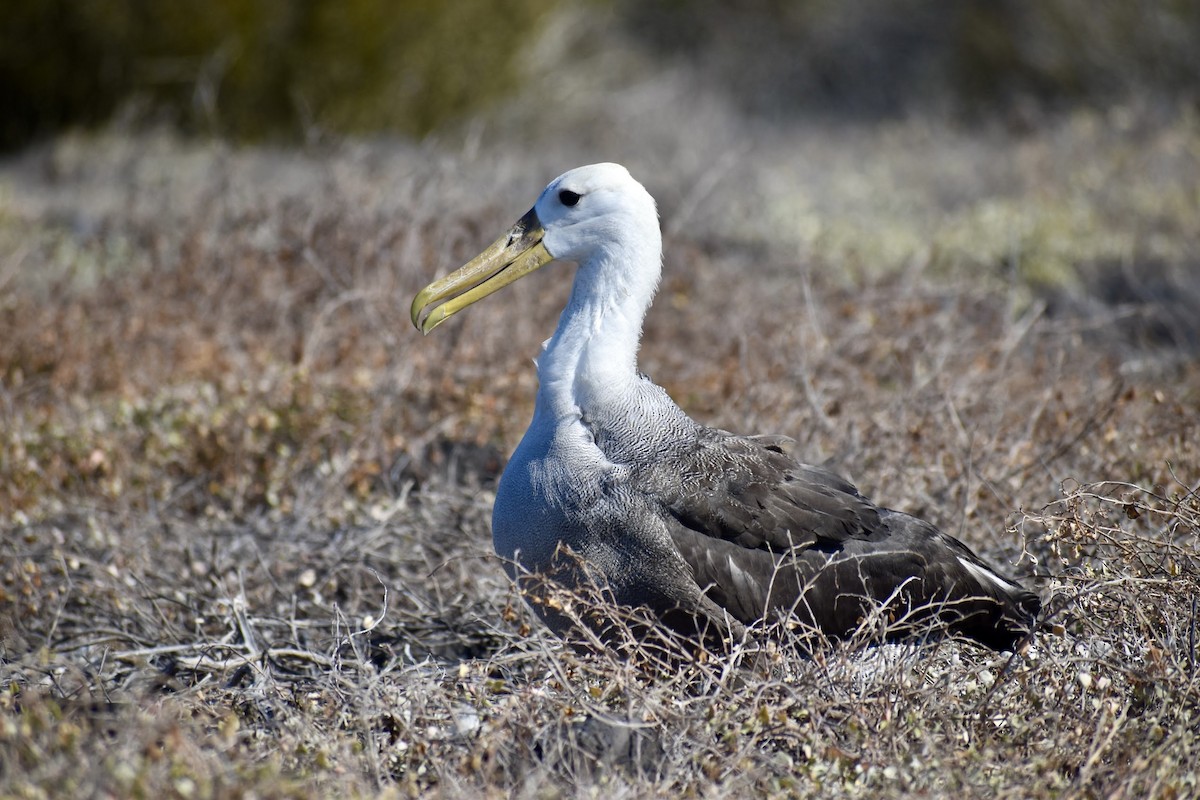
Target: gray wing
762 532
748 491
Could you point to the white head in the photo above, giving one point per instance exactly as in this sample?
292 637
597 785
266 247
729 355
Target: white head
597 209
597 216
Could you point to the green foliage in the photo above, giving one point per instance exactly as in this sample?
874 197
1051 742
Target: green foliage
251 68
1076 48
254 68
882 56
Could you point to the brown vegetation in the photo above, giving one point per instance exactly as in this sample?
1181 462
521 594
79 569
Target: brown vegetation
245 507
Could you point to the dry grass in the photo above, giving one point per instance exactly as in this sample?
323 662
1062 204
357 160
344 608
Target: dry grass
245 507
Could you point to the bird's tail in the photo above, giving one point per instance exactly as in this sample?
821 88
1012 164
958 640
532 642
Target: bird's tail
1003 614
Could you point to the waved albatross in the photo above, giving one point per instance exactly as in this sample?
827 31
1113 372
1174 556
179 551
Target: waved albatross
614 486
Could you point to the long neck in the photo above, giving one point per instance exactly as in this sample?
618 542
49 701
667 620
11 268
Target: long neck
592 357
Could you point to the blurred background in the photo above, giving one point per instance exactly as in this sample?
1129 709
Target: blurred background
299 69
237 198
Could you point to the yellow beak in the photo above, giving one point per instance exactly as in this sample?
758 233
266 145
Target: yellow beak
514 255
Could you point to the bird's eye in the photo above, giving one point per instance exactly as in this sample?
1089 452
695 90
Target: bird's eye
568 198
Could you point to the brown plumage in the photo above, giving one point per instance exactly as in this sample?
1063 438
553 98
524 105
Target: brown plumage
790 539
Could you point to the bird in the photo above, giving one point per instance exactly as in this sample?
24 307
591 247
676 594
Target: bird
615 494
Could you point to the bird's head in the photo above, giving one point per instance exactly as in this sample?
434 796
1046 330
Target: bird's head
583 215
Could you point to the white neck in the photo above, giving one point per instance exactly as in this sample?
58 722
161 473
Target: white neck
592 358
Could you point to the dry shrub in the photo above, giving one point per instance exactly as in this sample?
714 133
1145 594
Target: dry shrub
245 509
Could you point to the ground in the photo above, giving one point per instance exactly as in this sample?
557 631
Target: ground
245 506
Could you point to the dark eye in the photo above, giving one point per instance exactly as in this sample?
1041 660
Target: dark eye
568 198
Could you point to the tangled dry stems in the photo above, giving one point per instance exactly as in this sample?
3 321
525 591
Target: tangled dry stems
246 537
384 688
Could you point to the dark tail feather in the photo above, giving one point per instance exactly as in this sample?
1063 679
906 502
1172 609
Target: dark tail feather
1002 616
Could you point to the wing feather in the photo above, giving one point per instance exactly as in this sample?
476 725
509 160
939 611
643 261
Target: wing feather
764 534
748 491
